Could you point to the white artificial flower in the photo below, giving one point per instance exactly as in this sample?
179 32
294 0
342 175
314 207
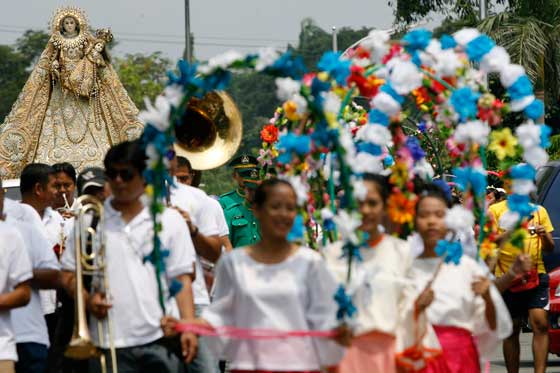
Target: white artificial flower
377 43
405 77
495 60
375 134
447 63
472 132
508 220
266 57
465 36
359 188
286 88
152 155
522 103
224 60
345 140
366 163
382 72
523 186
326 213
331 102
361 62
535 156
347 225
386 104
204 69
174 94
300 187
158 115
300 102
528 135
510 73
428 57
459 219
424 169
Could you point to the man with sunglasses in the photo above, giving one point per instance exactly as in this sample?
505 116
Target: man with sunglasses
133 302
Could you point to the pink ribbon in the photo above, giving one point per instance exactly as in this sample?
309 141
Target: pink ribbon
240 333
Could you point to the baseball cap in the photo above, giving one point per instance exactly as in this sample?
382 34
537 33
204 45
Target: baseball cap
91 177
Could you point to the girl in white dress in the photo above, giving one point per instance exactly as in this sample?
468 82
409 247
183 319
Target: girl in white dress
378 289
461 303
274 285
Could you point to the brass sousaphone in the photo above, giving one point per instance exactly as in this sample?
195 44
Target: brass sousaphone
210 132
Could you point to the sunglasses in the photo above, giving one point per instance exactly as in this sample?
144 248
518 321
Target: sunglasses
126 174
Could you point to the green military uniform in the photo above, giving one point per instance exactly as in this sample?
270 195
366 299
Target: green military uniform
243 226
237 196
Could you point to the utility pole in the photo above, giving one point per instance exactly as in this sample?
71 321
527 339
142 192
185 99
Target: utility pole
187 55
334 40
483 11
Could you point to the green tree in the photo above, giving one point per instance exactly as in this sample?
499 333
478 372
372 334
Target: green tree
12 77
142 75
31 44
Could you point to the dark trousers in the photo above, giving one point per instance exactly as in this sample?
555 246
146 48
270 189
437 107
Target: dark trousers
32 358
148 358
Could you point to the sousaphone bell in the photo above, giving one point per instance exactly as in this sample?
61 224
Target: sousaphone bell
210 131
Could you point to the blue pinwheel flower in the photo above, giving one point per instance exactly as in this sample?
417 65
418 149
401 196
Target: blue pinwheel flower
388 161
345 305
478 47
545 135
350 250
292 143
451 251
174 288
415 149
387 88
444 187
379 117
416 40
521 204
370 148
153 258
523 171
468 176
187 75
297 231
464 101
337 68
287 66
535 110
217 81
447 42
522 87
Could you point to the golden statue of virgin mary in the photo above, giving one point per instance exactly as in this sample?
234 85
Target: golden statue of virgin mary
73 106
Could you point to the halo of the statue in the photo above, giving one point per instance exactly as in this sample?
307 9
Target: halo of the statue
58 39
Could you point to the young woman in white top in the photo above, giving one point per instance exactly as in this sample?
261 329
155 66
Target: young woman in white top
274 285
461 303
378 289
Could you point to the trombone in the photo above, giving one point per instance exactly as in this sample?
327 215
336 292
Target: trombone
89 246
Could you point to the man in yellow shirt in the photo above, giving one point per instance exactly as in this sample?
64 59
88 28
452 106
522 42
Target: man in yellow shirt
533 302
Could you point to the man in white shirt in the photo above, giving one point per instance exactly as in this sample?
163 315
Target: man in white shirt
64 201
38 190
133 302
29 324
15 290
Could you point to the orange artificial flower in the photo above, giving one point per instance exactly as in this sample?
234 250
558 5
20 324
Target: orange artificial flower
269 134
401 208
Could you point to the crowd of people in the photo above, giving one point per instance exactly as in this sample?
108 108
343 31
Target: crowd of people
232 272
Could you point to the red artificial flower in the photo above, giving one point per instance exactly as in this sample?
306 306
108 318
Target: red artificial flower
437 87
395 50
361 53
269 134
369 86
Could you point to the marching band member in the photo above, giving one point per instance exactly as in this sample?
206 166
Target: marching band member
461 303
30 327
377 287
65 175
274 284
132 304
38 189
15 289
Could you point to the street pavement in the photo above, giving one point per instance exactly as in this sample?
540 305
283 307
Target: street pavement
498 365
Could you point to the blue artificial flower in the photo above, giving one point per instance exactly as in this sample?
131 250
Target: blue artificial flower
468 176
464 101
478 47
152 258
187 75
292 143
523 171
174 287
522 87
416 59
351 251
447 42
422 126
388 161
337 68
521 204
387 88
379 117
368 147
535 110
442 184
416 40
451 251
415 149
287 66
297 231
217 81
545 135
345 305
329 225
322 135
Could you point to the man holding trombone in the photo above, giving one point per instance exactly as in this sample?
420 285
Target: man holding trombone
129 303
